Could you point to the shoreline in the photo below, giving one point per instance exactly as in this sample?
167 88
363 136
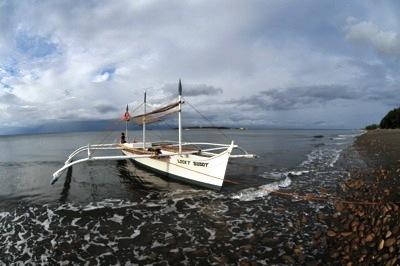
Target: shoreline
364 228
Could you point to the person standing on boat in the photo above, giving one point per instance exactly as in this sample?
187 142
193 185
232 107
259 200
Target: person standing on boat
123 140
126 117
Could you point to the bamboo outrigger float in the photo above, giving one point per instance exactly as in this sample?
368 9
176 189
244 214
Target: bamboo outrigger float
192 162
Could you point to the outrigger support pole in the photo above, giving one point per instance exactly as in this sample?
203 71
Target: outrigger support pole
115 146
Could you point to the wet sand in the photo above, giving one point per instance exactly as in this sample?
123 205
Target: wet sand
365 227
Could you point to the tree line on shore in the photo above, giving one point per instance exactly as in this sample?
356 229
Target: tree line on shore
391 120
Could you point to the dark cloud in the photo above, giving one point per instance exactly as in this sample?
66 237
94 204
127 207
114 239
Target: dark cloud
105 108
298 97
191 90
320 123
201 90
309 94
10 98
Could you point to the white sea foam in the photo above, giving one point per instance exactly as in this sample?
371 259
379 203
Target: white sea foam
211 232
46 223
339 138
298 173
273 175
311 157
117 218
335 158
250 194
137 231
157 244
73 223
4 214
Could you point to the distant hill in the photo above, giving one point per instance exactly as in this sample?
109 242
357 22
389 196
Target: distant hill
68 126
211 127
391 119
89 125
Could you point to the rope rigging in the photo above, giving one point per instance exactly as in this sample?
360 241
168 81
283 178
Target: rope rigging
319 196
110 129
208 120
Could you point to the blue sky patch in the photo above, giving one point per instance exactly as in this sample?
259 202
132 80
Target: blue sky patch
34 45
104 74
109 70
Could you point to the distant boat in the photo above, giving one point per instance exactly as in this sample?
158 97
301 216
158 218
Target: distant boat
198 163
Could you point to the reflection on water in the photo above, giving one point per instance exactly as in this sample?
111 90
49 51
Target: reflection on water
67 185
118 213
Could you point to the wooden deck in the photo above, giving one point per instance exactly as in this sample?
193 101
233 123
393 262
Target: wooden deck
176 148
169 148
137 150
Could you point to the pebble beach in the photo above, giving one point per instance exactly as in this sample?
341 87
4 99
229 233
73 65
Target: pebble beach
365 227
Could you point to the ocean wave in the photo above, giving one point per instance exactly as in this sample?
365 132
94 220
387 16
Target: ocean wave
298 173
339 138
352 135
250 194
321 158
335 157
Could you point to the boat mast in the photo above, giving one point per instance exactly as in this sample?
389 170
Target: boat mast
144 121
179 117
126 130
126 125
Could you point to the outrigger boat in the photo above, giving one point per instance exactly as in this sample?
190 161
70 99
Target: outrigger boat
197 163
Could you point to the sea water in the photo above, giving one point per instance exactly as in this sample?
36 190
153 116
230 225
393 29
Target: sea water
115 213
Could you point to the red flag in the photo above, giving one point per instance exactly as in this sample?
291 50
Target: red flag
126 116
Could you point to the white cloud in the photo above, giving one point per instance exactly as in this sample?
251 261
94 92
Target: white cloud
234 49
368 33
101 77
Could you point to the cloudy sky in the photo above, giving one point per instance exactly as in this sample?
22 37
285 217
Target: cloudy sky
302 64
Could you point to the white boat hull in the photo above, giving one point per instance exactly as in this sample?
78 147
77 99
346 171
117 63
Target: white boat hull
198 170
195 164
189 162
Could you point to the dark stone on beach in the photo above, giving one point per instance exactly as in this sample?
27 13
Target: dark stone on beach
334 255
247 263
269 240
246 247
221 260
389 242
346 234
370 237
288 259
368 233
201 252
298 250
339 206
395 230
393 261
331 233
259 232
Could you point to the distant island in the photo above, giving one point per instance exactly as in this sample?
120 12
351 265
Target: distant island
391 120
206 128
